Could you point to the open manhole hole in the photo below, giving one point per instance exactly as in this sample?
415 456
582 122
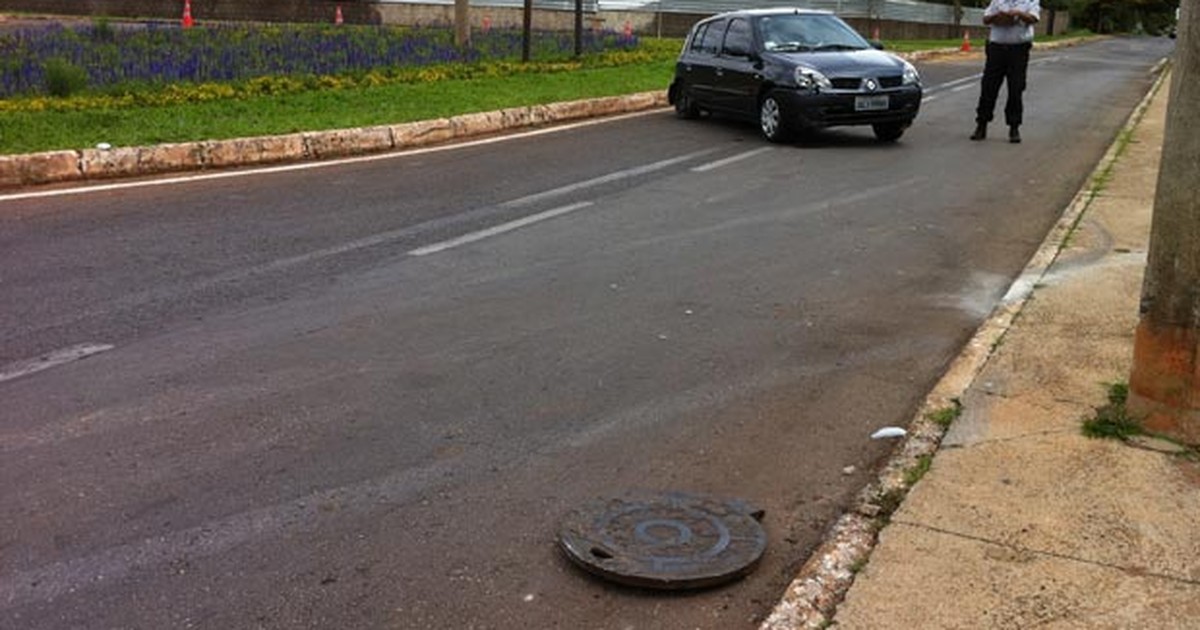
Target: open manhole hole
672 541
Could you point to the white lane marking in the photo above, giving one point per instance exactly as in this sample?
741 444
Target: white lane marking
52 359
604 179
949 84
185 179
703 168
928 99
961 88
498 229
397 234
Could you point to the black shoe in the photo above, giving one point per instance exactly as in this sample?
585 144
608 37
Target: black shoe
980 132
1014 134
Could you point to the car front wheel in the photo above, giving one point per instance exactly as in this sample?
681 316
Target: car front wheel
772 119
889 132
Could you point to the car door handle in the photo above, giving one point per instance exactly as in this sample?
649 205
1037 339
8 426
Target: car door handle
720 72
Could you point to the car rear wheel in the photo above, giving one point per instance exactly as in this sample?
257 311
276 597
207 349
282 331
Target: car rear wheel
772 120
685 106
889 132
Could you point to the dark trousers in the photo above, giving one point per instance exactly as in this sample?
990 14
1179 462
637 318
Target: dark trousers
1005 63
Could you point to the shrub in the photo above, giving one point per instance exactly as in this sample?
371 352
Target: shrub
64 78
102 30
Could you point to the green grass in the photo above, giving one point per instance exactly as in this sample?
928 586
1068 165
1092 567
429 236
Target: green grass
913 45
918 471
1113 420
946 416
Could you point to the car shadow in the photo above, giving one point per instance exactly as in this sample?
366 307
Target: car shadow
833 138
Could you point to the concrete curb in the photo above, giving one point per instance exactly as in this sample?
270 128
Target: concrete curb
811 600
98 164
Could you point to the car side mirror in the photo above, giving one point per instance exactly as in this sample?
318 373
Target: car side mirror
876 44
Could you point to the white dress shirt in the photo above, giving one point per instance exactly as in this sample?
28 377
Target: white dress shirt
1019 33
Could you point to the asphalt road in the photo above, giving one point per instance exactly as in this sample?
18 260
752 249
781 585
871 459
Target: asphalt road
361 396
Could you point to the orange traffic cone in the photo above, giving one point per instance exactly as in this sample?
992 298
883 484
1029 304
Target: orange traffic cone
187 13
337 15
966 45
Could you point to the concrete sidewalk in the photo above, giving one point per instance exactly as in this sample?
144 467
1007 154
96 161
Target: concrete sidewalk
1021 521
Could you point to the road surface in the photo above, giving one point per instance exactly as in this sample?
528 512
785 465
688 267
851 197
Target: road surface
362 395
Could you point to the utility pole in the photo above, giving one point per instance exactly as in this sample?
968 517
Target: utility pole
526 29
462 23
578 28
1164 385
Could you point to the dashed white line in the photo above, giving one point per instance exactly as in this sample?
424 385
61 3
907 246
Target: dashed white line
498 229
604 179
51 359
703 168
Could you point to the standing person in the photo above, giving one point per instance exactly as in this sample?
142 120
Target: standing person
1008 46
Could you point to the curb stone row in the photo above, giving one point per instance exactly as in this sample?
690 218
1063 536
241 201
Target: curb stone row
52 167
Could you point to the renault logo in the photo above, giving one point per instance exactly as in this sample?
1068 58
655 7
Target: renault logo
871 85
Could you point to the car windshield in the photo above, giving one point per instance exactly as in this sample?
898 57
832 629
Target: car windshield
800 32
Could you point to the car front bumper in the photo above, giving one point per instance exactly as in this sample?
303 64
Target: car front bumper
831 109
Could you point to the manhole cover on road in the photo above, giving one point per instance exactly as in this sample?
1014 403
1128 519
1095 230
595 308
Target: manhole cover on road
672 541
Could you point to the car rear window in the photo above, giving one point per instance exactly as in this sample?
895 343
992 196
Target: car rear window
710 39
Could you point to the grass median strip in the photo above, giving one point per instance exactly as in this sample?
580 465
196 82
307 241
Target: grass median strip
25 132
141 110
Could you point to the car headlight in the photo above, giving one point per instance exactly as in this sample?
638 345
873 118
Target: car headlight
810 79
910 75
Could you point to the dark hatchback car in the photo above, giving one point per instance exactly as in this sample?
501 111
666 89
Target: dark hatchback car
793 71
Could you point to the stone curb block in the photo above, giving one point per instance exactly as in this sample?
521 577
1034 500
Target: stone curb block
479 124
40 168
98 164
93 164
166 158
422 133
343 142
259 150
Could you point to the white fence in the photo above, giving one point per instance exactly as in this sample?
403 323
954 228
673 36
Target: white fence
897 10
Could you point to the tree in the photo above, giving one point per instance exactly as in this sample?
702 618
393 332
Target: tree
1123 16
1164 385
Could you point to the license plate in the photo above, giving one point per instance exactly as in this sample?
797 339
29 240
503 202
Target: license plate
870 103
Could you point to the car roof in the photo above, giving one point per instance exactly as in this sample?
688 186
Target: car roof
771 11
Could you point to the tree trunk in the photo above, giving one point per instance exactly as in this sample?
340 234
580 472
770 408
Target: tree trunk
1164 385
462 23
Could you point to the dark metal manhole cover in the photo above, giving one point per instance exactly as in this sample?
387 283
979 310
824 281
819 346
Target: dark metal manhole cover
672 541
